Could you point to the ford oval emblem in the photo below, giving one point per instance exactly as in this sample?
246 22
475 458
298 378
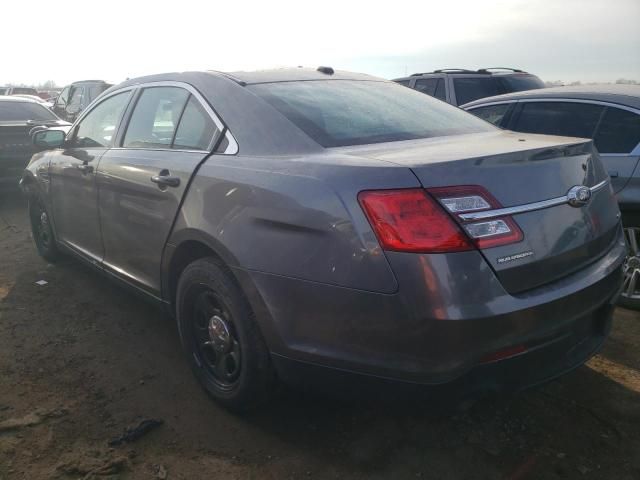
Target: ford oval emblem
579 196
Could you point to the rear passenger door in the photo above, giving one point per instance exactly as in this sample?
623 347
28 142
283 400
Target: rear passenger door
617 138
142 180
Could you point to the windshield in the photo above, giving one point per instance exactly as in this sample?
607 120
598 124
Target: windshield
518 83
23 111
348 112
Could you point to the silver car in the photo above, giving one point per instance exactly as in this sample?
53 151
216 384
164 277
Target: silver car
305 225
610 115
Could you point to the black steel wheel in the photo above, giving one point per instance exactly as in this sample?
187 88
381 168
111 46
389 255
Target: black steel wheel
221 338
630 296
42 230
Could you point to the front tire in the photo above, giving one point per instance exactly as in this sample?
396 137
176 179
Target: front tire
42 231
221 338
630 296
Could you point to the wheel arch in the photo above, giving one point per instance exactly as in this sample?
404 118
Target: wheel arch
189 245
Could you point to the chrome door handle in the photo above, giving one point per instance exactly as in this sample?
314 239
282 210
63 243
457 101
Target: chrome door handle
165 180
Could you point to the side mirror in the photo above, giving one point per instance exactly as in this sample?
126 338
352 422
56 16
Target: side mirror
49 138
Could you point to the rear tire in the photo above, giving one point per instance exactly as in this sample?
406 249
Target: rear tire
42 231
630 296
221 338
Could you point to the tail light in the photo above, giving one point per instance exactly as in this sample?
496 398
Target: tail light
473 198
411 220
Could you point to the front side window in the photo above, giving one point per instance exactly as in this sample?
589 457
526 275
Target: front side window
492 113
349 112
155 117
473 88
196 128
569 119
619 131
98 127
75 99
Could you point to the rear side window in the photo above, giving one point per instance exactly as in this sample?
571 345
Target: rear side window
348 112
431 86
473 88
402 82
96 90
568 119
196 128
155 117
518 83
619 131
492 113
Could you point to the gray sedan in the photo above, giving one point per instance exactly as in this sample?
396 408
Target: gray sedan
310 224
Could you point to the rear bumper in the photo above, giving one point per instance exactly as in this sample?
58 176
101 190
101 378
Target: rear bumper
449 314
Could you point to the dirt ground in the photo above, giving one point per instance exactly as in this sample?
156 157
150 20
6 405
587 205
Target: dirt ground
82 359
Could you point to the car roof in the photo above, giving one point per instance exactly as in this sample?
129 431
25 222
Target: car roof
293 74
89 81
11 98
627 95
462 72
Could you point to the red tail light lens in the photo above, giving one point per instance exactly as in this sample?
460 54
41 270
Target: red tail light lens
473 198
410 221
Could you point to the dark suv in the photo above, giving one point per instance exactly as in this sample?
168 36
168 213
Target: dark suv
75 97
458 86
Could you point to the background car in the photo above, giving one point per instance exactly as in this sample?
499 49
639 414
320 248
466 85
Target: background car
610 115
76 97
303 222
18 117
18 91
457 86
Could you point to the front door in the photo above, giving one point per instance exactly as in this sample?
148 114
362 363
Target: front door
73 177
141 182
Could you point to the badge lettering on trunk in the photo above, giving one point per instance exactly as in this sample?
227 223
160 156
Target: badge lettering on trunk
515 256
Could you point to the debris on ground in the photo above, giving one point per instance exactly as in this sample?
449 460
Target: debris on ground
162 472
133 434
94 467
30 419
41 282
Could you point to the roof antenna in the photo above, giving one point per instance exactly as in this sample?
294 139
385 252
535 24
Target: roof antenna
326 70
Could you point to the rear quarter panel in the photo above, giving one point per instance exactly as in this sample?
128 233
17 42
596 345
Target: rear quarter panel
295 217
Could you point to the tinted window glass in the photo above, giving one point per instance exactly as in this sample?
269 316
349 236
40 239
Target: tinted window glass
493 113
348 112
23 91
98 127
155 117
469 89
427 85
559 118
440 92
23 111
619 131
402 82
95 90
75 99
196 127
518 83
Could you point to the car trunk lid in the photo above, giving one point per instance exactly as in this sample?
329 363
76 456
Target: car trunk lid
521 170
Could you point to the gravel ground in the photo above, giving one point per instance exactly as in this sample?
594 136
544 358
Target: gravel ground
82 359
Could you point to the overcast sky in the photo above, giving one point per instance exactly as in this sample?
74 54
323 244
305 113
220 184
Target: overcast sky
587 40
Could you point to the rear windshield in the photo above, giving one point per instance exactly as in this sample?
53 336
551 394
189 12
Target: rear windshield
23 91
518 83
23 111
348 112
469 89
